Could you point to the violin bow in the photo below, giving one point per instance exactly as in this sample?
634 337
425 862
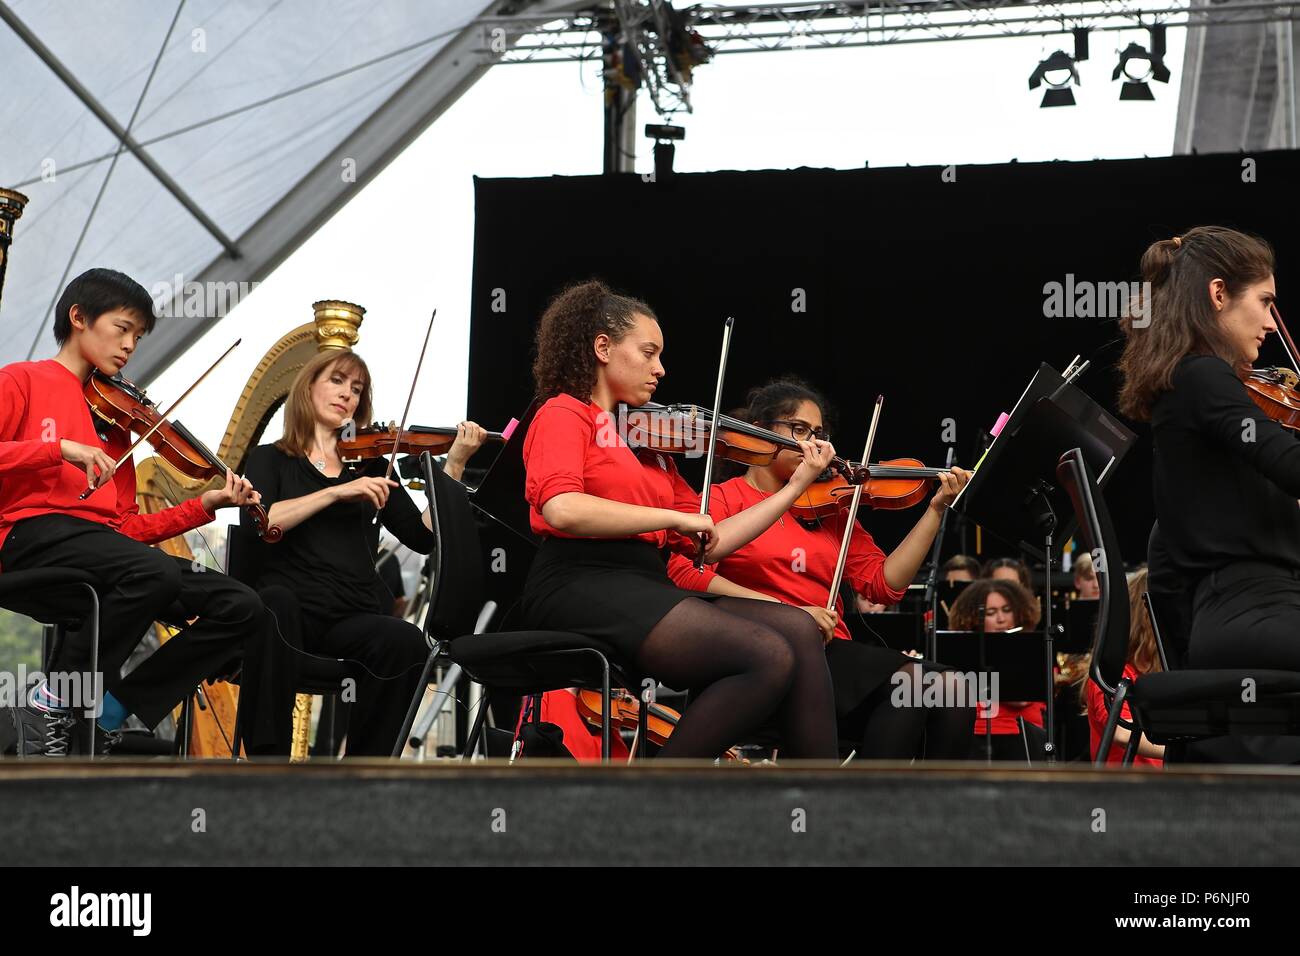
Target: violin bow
713 433
163 417
397 438
1287 343
853 509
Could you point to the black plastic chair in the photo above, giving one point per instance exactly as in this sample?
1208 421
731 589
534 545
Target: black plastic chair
517 663
58 598
316 675
1167 706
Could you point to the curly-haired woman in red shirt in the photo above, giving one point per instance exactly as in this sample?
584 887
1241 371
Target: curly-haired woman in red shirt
606 512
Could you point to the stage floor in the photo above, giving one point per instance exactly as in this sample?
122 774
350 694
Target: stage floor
441 812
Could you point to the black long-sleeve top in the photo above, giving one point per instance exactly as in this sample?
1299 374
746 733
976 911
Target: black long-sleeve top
329 559
1226 476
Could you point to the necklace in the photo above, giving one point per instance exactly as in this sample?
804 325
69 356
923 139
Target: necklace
766 494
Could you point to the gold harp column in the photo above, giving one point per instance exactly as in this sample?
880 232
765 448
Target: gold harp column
11 207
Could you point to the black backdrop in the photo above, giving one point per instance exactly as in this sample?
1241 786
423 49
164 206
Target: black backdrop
928 291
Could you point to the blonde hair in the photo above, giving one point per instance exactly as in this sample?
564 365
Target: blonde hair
1083 566
299 417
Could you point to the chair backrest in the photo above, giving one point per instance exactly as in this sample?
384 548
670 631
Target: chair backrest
1110 640
458 589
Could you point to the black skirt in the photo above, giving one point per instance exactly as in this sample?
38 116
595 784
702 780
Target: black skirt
612 590
858 671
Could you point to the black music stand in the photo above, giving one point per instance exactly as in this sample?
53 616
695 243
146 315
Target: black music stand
1014 493
1014 657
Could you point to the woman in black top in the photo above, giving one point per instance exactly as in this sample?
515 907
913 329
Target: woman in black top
1226 477
320 581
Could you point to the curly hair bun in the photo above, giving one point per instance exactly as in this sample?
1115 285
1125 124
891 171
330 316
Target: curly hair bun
565 361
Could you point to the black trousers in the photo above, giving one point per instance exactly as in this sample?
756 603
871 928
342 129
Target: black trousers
386 656
138 585
1247 615
1244 615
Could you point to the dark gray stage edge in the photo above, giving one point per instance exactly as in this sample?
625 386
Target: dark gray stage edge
442 813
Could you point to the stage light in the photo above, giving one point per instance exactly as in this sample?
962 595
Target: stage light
1138 65
1059 72
664 149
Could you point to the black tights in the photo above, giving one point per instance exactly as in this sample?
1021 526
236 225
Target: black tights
747 661
891 732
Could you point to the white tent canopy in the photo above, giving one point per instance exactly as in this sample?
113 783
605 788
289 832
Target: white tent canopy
246 124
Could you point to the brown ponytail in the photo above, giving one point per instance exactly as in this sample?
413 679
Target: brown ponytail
1173 317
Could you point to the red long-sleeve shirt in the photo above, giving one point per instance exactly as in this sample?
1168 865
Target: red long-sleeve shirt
791 562
41 403
1097 715
573 446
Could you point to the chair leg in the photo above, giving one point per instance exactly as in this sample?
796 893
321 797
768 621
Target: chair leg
400 744
1134 740
441 694
51 640
1112 721
95 703
181 745
471 744
237 735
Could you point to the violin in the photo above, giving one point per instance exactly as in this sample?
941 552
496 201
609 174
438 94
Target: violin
1274 389
891 485
679 429
376 441
684 429
119 404
625 711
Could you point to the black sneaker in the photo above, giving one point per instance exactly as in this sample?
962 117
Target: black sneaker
105 740
42 733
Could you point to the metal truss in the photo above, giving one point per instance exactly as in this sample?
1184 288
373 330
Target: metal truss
651 32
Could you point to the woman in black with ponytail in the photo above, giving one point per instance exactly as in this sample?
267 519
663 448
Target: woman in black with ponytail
1226 476
608 514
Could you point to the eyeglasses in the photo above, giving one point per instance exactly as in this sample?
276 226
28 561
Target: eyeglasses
802 431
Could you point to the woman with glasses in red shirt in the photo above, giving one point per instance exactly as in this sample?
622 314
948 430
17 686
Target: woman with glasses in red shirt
793 561
607 514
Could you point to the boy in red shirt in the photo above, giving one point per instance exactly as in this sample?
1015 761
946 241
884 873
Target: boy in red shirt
50 453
